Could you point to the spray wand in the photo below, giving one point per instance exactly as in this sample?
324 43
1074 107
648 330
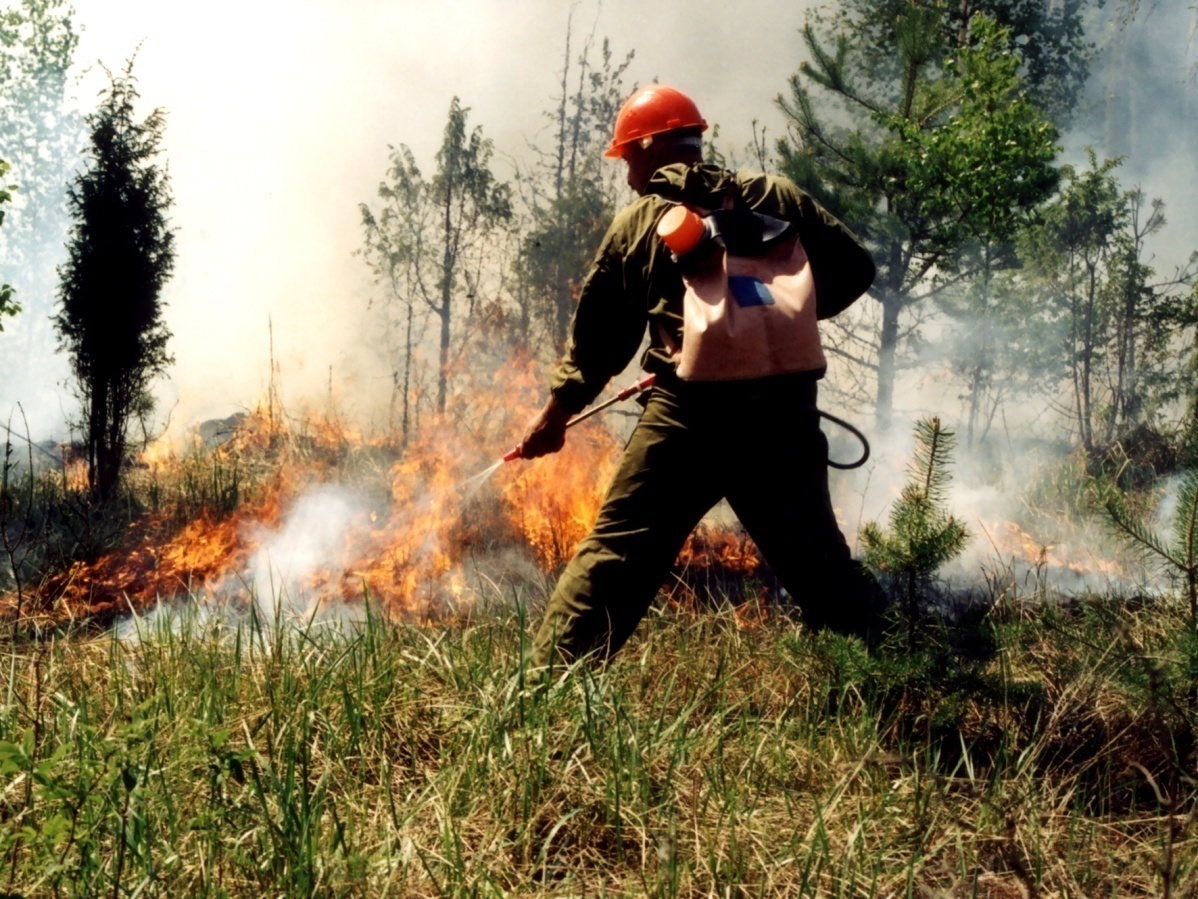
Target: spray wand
641 385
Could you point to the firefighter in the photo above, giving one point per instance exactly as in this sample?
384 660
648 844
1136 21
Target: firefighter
757 442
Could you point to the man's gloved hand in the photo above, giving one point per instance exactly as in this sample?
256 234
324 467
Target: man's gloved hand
546 433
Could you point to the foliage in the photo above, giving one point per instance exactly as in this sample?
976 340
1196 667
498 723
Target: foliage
1177 552
723 752
922 536
1046 40
41 136
7 305
394 238
942 158
121 253
430 240
1117 328
996 168
472 205
570 194
1069 254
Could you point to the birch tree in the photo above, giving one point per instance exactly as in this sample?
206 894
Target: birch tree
430 241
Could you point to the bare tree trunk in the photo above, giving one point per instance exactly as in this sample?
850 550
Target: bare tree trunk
891 297
443 310
407 376
443 359
1086 399
981 370
887 350
559 174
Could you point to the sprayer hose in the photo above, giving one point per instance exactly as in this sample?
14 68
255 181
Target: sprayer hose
848 466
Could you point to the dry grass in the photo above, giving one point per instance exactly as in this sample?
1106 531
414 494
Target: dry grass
1034 750
727 753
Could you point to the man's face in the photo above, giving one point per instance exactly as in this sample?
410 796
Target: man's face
642 163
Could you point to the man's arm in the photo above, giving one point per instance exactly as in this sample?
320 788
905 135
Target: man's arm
610 319
604 334
843 269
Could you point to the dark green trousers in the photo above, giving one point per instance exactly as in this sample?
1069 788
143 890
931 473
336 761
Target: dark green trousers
758 444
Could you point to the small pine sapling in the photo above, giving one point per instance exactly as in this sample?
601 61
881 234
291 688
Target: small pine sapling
923 536
1178 551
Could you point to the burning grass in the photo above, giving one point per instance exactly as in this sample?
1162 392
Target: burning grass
715 756
309 509
310 514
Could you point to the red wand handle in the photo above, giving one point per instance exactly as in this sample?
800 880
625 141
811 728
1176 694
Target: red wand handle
632 390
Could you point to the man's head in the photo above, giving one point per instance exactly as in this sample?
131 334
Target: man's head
656 126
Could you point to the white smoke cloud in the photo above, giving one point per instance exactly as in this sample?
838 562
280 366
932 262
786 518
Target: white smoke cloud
314 537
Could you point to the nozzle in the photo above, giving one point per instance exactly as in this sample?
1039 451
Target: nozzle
517 452
643 384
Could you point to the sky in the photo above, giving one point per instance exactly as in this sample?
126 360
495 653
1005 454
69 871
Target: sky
279 121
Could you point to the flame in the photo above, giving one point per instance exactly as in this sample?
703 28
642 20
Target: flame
1011 543
717 563
729 549
74 475
554 502
413 546
159 454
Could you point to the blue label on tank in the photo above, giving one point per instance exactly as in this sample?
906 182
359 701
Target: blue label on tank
749 291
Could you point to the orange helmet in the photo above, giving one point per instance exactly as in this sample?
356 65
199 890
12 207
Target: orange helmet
652 110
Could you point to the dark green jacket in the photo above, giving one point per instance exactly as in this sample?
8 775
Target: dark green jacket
634 280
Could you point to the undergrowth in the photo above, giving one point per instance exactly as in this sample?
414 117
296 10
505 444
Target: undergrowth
48 521
1033 751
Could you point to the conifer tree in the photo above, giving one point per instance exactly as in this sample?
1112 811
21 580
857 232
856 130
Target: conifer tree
120 255
923 143
923 535
1176 551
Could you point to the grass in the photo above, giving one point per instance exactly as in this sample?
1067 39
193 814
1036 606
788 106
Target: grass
726 753
1035 748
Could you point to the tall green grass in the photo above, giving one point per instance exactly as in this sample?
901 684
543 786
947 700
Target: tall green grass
728 753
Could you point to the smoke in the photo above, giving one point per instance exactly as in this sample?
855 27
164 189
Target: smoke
314 537
423 544
1141 104
1015 548
280 577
